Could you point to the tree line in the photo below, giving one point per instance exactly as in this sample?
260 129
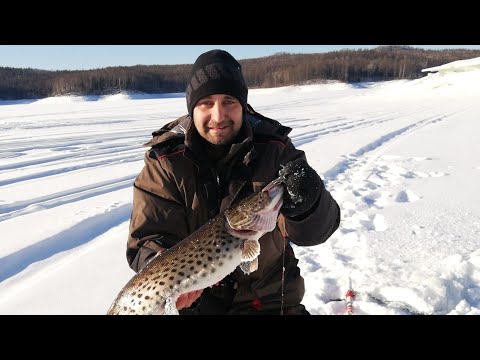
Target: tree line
282 69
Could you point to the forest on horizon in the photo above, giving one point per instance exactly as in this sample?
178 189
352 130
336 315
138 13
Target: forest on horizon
282 69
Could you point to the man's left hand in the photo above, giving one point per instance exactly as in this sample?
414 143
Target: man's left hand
303 188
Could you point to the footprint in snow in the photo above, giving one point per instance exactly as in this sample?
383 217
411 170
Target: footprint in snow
406 196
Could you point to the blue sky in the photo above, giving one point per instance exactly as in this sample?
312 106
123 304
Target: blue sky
80 57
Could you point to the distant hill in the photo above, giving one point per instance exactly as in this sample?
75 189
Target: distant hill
282 69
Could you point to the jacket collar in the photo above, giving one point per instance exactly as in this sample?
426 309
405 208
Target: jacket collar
243 148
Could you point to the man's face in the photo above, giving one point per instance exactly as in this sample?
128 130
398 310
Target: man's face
218 118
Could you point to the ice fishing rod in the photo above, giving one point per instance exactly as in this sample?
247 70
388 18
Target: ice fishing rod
349 296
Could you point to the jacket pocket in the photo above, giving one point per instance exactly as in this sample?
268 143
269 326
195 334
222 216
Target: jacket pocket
270 285
271 282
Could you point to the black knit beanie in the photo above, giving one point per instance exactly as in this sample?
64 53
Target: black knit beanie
215 72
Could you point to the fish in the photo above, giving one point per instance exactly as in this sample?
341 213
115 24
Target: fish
203 258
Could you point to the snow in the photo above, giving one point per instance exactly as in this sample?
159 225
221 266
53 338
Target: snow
459 65
400 157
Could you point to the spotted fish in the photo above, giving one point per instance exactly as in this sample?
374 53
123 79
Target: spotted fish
203 258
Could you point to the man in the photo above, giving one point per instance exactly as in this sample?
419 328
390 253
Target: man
201 164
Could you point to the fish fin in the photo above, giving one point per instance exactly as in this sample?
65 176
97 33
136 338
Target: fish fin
245 267
249 266
251 250
171 306
254 264
159 308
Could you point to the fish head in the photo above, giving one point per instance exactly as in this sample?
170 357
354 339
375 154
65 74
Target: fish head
256 214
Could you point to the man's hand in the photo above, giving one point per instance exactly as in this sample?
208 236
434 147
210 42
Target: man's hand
303 188
186 300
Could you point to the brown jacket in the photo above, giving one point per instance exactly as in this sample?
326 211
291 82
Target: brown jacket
178 191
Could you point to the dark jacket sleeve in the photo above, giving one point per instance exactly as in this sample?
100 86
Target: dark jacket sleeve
320 222
158 214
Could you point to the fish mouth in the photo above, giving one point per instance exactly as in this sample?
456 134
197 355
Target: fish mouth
243 233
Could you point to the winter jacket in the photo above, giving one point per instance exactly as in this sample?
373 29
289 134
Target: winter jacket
179 190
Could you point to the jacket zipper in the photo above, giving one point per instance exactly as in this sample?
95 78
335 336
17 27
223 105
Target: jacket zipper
217 179
218 190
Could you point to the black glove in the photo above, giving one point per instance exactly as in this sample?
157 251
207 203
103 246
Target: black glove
303 188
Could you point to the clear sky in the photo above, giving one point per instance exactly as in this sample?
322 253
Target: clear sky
80 57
